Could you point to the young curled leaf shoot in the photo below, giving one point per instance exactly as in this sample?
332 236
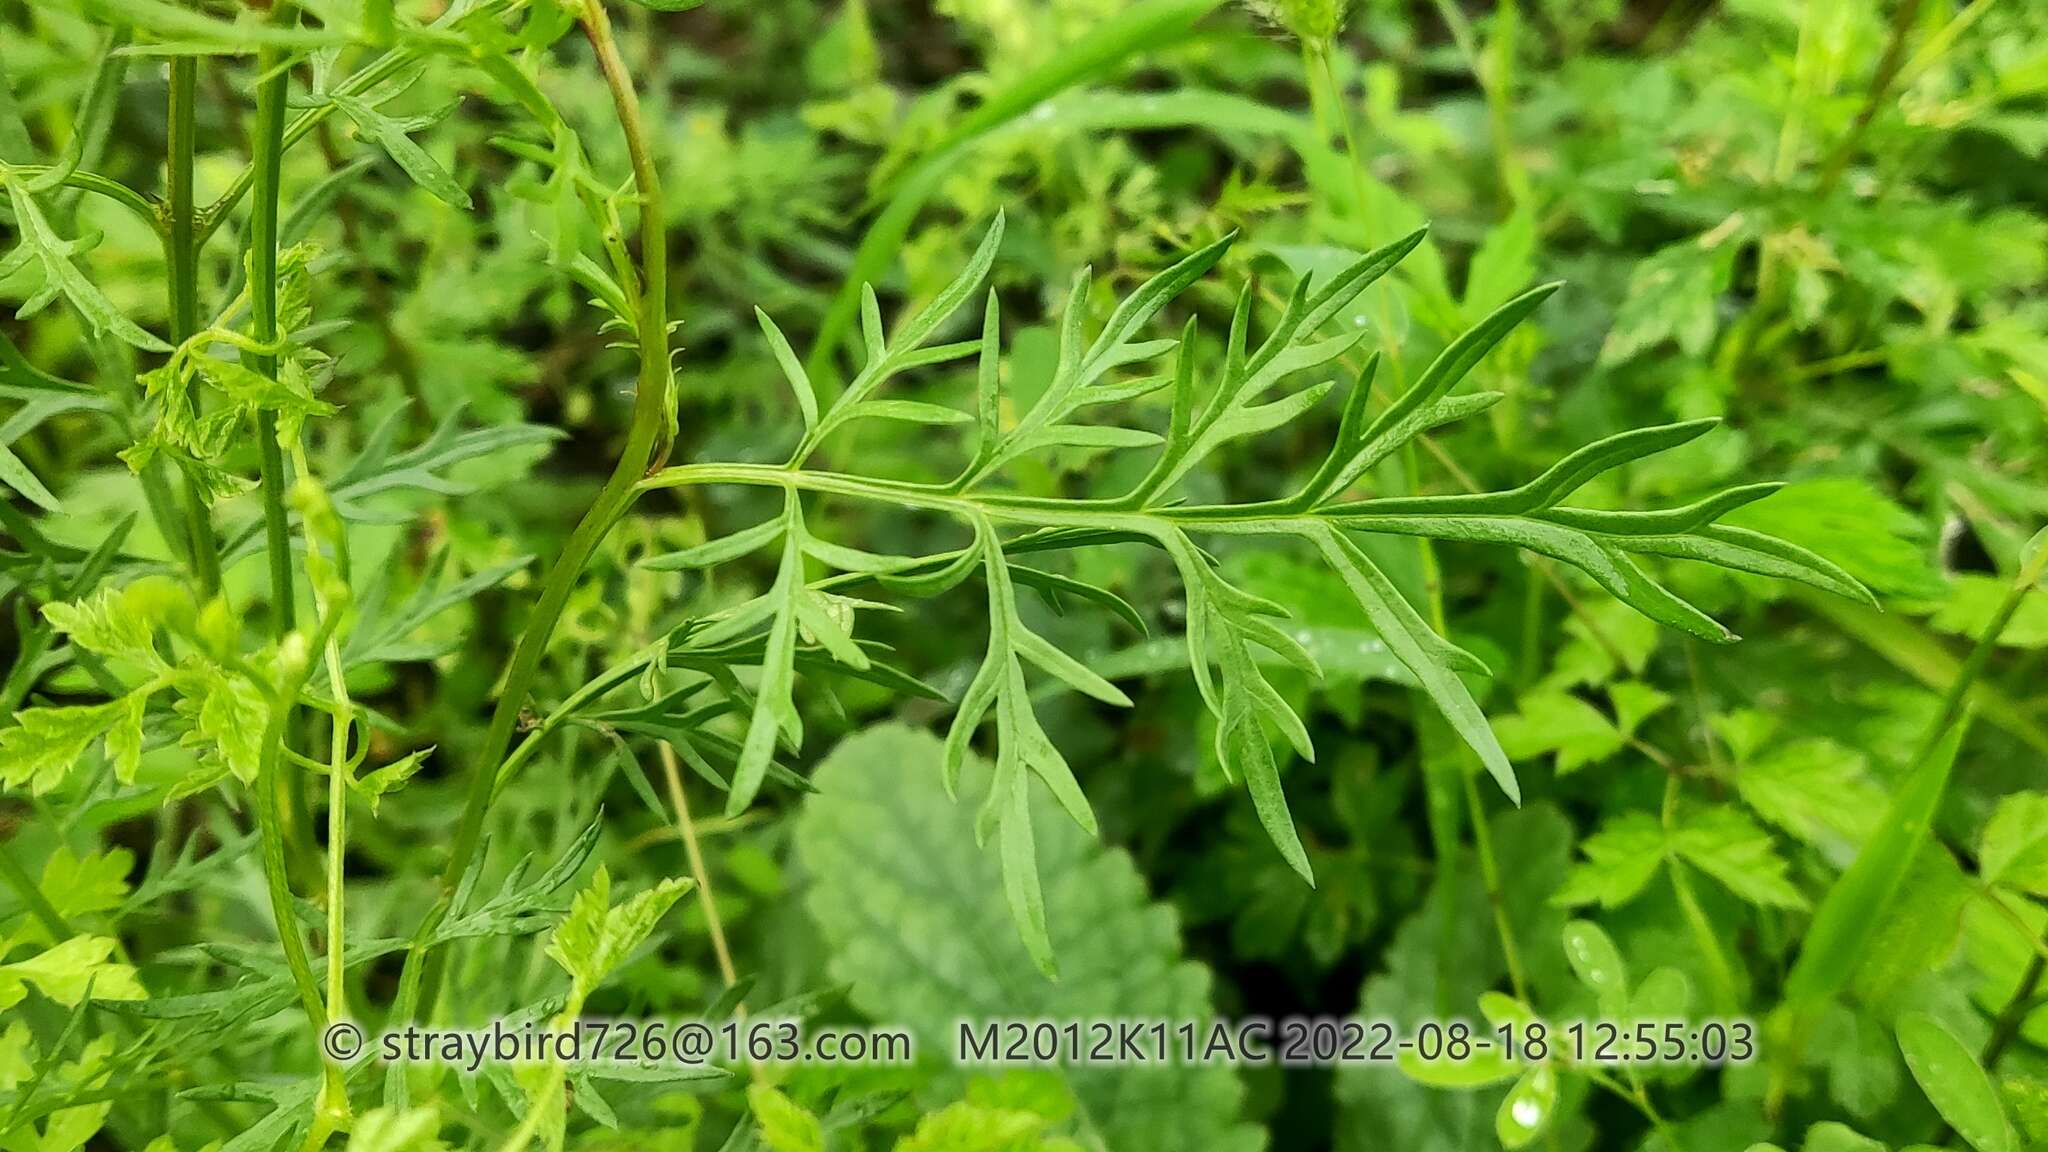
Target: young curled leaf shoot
1229 631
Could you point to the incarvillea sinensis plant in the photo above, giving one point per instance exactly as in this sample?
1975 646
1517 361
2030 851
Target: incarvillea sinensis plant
808 619
164 643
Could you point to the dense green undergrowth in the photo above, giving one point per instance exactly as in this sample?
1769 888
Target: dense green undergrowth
874 515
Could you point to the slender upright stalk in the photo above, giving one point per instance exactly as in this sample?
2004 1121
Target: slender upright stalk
337 827
331 1108
181 257
694 853
645 451
263 223
273 79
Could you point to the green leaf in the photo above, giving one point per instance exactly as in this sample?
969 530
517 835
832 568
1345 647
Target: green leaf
912 912
40 243
1973 603
1561 723
1504 262
16 475
1145 26
374 785
46 743
394 137
792 369
65 972
1434 660
382 634
596 936
1727 845
227 713
1529 1108
774 704
1955 1083
908 412
95 882
720 549
783 1124
1621 860
1856 904
1868 534
1672 295
1814 789
1598 965
2014 848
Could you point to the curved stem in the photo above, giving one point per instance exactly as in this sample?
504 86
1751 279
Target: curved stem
269 821
143 208
653 422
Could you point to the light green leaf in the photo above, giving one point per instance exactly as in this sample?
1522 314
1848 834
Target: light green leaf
1727 845
121 622
783 1124
1529 1108
66 971
1483 1067
2014 847
1814 789
1561 723
597 937
1621 859
374 785
392 1130
46 743
1673 294
1955 1083
1598 965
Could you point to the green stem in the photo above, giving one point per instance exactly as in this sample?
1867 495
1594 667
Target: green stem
268 150
1489 871
1725 995
277 881
141 206
32 897
337 828
269 158
2006 1028
295 669
1880 86
181 257
653 422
